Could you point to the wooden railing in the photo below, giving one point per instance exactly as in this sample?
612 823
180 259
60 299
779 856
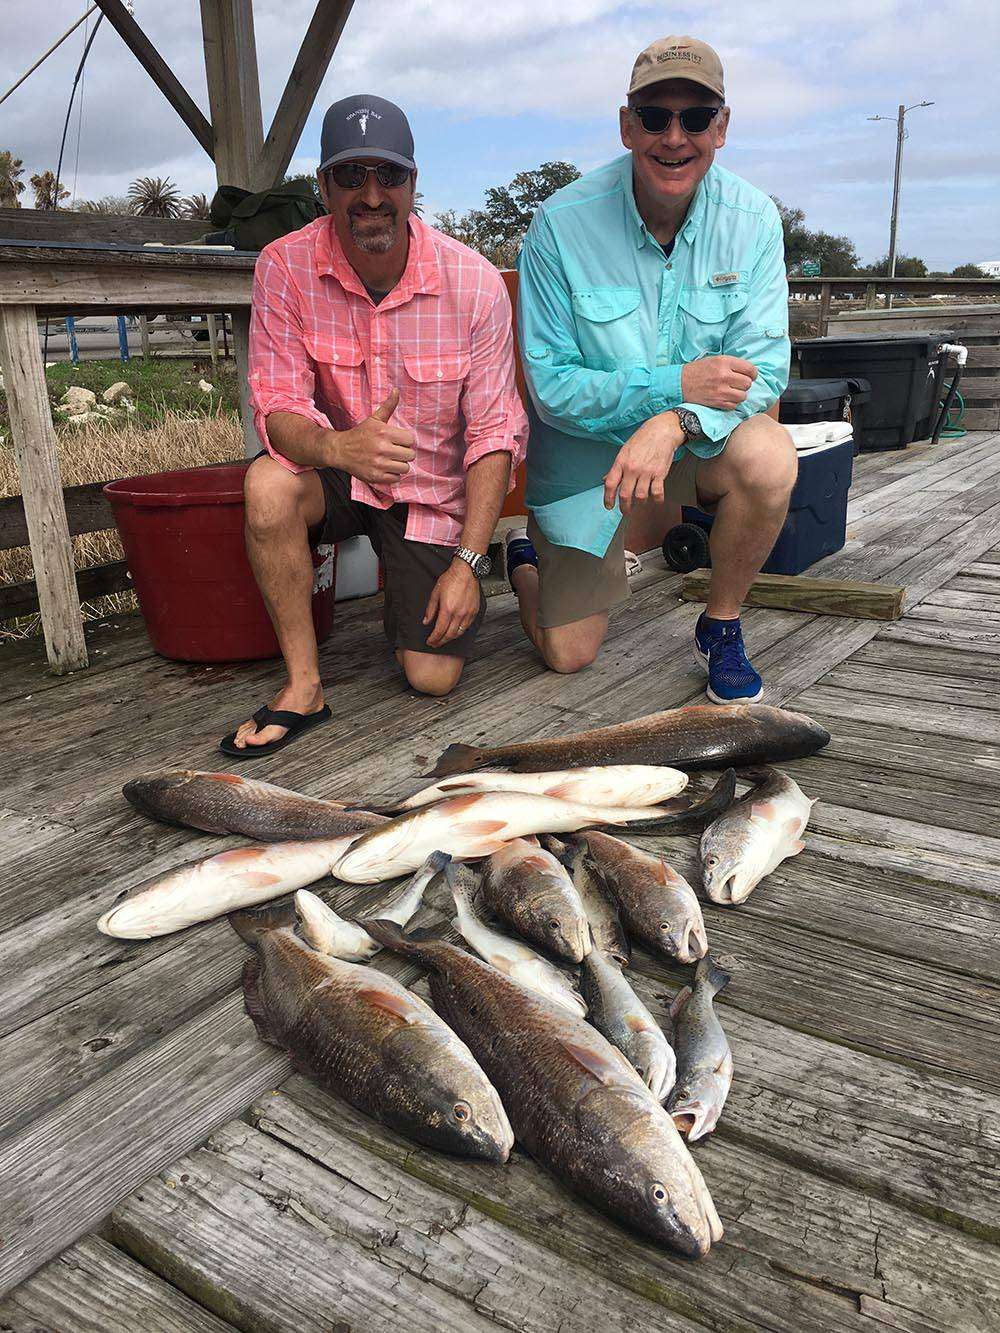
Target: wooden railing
870 289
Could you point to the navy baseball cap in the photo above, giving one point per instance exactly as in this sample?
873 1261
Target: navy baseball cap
365 126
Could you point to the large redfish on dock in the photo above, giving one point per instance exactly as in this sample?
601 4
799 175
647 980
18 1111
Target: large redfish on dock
699 736
656 903
215 885
232 803
475 825
364 1036
575 1102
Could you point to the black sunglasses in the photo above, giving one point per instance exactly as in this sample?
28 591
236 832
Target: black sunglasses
353 175
693 119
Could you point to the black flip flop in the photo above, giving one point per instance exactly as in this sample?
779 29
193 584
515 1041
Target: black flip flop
296 723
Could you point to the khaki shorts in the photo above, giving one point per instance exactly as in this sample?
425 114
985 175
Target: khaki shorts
573 584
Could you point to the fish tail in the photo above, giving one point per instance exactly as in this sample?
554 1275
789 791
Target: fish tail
393 938
685 814
250 925
458 759
435 863
458 877
714 976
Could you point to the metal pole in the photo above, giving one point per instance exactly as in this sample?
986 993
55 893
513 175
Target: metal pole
74 351
122 338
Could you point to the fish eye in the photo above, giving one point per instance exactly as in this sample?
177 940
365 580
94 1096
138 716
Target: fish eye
711 860
553 925
658 1192
462 1111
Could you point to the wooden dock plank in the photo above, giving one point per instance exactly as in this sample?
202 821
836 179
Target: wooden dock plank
911 1137
68 1168
919 1015
806 1241
93 1287
381 1249
813 974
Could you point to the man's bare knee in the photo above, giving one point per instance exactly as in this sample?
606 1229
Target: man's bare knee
569 656
762 458
273 496
429 673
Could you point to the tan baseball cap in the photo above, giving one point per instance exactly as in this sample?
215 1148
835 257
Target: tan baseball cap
678 58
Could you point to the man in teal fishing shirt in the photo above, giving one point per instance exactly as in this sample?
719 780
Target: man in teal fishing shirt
653 322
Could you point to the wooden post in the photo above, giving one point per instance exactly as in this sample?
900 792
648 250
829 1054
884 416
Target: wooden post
144 336
870 296
824 309
233 91
34 439
213 341
238 130
241 347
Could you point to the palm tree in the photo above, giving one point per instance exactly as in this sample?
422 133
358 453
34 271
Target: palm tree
195 206
152 197
11 168
113 204
48 192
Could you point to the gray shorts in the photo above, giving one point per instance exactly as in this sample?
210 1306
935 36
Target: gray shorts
573 584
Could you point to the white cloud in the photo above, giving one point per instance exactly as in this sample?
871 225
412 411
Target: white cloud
801 78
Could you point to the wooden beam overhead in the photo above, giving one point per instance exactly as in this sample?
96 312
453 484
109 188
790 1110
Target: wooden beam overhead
233 91
159 71
307 73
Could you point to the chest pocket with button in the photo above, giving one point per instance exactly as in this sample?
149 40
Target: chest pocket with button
608 326
435 382
706 312
341 385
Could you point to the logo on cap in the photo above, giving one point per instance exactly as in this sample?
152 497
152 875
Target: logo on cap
363 114
679 53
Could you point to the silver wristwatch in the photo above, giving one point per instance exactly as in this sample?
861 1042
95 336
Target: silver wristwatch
479 564
690 424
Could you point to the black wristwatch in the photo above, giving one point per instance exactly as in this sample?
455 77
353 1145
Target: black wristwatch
690 424
479 564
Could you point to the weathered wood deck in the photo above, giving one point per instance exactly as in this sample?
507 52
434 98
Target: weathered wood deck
855 1168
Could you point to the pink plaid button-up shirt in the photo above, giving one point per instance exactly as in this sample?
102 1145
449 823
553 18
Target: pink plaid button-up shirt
320 347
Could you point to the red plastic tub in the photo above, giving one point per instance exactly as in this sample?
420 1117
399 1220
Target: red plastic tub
183 538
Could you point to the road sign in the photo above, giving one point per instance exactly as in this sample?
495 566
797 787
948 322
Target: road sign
811 268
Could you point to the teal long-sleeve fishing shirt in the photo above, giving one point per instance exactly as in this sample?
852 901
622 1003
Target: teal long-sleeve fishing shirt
607 320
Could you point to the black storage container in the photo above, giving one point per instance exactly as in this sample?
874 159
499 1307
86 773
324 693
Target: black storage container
817 513
905 371
807 401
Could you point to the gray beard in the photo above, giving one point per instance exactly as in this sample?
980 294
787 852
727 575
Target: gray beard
374 243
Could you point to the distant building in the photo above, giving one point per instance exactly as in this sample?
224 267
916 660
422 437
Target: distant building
990 268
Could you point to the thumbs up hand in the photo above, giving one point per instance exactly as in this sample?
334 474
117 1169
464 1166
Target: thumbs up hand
375 450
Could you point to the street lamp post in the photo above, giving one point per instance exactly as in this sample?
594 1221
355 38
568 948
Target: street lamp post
900 119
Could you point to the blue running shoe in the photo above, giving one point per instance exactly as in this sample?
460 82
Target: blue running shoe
519 551
718 647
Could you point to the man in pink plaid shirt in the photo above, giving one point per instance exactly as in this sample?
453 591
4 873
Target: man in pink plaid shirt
382 381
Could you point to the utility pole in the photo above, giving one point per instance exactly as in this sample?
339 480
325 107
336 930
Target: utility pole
900 119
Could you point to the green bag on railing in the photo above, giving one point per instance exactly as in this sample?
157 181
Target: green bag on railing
251 221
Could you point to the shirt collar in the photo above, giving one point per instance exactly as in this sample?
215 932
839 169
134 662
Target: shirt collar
421 275
642 235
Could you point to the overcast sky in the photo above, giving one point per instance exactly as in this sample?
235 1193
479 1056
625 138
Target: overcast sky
496 87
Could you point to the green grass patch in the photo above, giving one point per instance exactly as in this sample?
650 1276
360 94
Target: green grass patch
158 386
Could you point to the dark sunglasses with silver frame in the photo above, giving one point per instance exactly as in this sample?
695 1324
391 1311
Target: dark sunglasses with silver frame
693 119
354 175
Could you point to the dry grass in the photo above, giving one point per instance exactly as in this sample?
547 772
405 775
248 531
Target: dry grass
103 452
